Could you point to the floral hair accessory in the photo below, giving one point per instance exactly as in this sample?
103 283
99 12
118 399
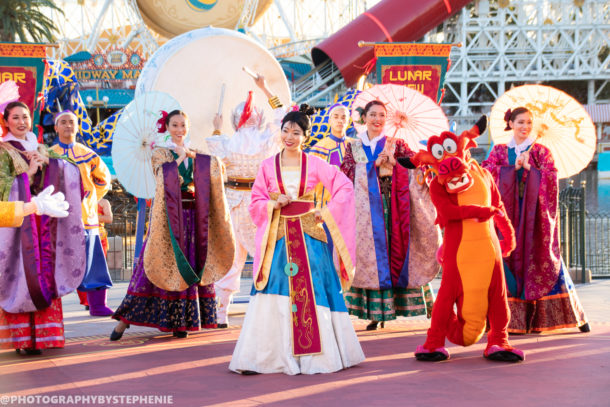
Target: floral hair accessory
161 126
294 108
507 117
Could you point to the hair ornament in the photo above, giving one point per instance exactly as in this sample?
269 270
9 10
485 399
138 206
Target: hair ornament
161 126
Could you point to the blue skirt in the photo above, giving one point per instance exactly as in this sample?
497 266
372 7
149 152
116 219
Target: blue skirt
326 284
97 274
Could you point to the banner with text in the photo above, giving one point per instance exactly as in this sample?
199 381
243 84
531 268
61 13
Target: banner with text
25 65
416 65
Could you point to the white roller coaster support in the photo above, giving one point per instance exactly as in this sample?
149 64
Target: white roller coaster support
527 42
97 27
280 10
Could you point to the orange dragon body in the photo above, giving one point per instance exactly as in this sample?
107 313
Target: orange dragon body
469 208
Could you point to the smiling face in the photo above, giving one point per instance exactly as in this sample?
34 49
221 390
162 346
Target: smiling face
292 137
375 119
338 121
522 126
178 129
19 121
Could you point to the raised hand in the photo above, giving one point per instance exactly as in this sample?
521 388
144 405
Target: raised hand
217 122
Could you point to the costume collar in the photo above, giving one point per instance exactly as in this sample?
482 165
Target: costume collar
66 146
520 148
336 139
364 136
29 144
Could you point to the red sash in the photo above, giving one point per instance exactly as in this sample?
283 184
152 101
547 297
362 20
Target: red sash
305 330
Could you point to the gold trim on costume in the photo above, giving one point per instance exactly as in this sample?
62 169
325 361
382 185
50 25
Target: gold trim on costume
340 247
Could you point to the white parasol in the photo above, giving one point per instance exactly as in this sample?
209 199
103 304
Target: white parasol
134 139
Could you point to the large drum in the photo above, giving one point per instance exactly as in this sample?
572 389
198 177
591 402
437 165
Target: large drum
170 17
193 66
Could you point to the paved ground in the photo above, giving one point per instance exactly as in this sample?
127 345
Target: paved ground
566 368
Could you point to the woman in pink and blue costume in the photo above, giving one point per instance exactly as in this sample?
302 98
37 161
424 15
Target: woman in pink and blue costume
297 321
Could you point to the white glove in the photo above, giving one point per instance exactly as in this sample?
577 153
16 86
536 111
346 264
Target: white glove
50 204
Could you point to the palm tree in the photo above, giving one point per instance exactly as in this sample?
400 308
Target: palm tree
22 20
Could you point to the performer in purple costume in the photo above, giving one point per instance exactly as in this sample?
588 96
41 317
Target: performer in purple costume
190 242
42 258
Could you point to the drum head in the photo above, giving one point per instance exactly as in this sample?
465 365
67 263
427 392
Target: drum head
193 67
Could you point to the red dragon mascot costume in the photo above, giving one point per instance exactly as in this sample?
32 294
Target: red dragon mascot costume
469 209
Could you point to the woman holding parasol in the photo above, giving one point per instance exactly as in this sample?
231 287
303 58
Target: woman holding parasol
396 237
189 244
541 294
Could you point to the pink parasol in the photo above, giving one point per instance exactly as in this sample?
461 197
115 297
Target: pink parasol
412 116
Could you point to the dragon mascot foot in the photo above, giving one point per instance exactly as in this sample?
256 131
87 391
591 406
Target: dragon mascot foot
470 210
501 354
436 355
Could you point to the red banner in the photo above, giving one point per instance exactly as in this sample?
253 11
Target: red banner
425 79
24 64
416 65
25 78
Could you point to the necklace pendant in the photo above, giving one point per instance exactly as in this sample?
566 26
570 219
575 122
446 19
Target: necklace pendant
291 269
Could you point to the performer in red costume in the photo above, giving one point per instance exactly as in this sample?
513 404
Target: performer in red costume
541 294
468 207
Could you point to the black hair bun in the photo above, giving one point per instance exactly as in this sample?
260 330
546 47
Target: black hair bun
306 109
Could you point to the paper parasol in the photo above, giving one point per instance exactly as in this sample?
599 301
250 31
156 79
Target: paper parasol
9 92
560 123
412 116
133 141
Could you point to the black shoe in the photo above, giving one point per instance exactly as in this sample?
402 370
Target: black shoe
585 328
86 308
222 326
33 351
431 357
115 336
181 334
372 326
248 372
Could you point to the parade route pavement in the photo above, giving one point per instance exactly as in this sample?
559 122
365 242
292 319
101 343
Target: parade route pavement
147 367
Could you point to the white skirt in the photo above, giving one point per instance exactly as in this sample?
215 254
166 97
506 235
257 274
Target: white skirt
265 344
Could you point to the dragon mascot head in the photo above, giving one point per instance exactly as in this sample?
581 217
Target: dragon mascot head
447 156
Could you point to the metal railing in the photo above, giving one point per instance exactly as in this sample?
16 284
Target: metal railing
121 233
584 235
